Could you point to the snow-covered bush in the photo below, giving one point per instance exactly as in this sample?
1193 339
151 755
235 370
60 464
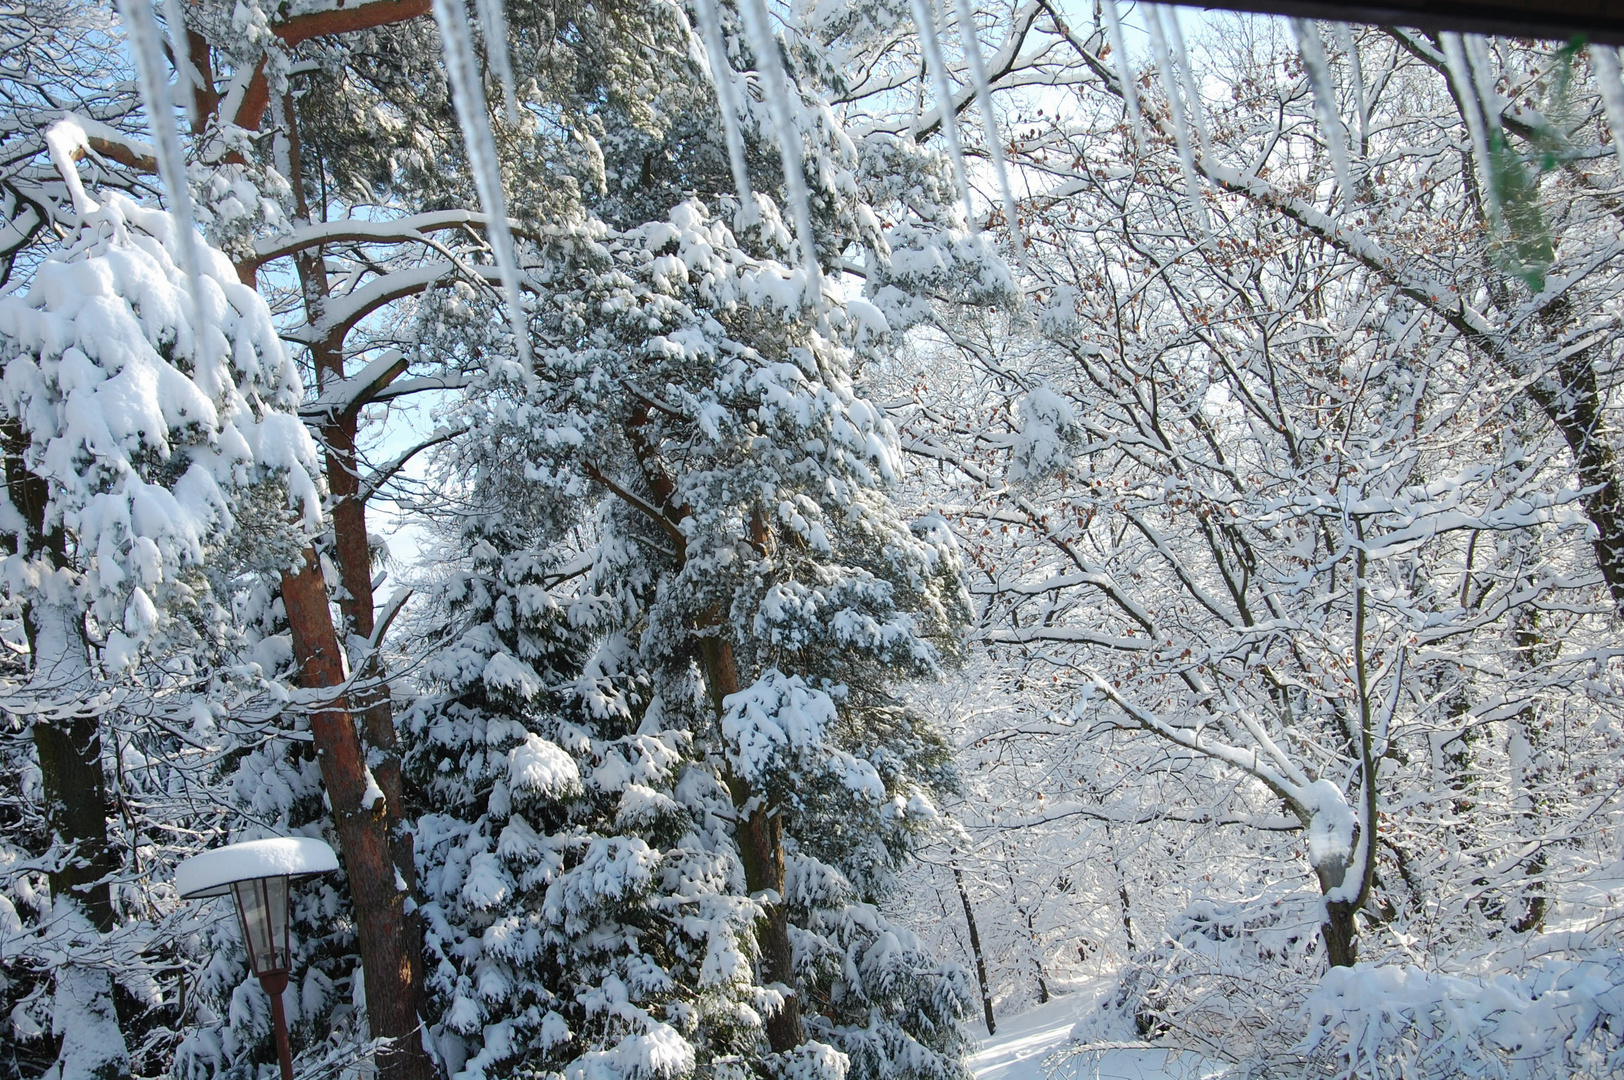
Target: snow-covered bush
1227 979
1549 1017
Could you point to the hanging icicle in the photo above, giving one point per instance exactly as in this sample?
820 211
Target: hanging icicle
468 97
141 26
989 123
1323 86
186 74
770 66
1611 81
925 17
727 101
1125 75
1466 89
1181 58
1356 73
493 24
1181 134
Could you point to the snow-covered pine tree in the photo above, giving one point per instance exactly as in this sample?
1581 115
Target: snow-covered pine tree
751 562
144 395
751 601
578 909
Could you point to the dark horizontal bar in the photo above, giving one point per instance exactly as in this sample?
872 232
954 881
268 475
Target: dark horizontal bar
1594 20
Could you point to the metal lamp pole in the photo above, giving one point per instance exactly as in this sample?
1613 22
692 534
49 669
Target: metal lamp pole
262 905
258 875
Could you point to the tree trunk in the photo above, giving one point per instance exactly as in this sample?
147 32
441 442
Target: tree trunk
1574 406
393 959
1341 934
82 1015
69 750
1526 749
378 890
761 848
370 701
975 950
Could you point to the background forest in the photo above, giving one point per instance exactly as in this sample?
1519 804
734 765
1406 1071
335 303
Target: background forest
914 509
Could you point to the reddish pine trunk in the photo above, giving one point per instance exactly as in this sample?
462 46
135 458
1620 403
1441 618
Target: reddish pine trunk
760 835
379 893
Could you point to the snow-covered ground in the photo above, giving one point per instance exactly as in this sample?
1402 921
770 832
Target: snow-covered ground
1026 1046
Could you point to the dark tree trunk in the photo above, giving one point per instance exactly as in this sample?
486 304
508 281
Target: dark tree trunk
75 801
69 750
975 950
1574 406
1527 751
1341 934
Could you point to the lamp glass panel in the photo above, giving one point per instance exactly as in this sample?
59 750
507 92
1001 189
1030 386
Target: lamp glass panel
263 905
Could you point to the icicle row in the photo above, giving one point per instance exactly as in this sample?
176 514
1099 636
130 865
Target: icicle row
771 69
1477 60
925 17
1312 51
493 21
1611 79
1125 75
1181 135
727 101
989 123
142 28
468 97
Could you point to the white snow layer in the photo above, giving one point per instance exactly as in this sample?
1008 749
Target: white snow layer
210 873
538 767
778 723
144 420
1027 1048
1330 826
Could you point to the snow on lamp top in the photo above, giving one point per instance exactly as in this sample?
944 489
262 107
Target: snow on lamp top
211 873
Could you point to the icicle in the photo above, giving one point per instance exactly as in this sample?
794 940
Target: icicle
1477 62
1356 71
924 15
493 23
1608 75
989 122
142 28
186 74
468 97
727 101
1460 73
771 68
1125 75
1312 51
1181 57
1181 135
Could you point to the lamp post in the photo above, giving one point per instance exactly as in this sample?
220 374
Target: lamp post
258 874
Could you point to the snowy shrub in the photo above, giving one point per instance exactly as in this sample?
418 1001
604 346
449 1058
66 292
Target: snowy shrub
1550 1018
1227 980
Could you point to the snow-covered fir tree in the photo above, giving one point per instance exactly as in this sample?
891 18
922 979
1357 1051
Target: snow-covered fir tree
146 402
578 917
749 566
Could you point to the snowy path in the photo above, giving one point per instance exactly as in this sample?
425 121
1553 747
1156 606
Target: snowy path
1024 1043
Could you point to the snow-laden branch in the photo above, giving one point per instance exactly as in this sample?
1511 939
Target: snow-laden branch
346 395
414 228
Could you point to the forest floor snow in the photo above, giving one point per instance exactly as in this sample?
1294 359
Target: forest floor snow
1028 1045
